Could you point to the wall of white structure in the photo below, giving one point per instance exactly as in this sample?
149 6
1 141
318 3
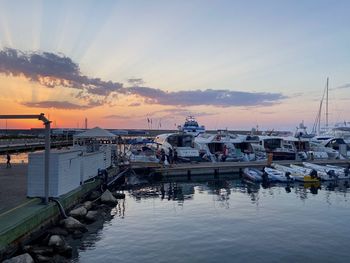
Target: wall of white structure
68 170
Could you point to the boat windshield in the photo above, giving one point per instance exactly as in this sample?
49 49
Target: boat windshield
180 140
272 144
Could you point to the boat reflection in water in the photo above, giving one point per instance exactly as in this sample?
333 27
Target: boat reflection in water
181 191
206 220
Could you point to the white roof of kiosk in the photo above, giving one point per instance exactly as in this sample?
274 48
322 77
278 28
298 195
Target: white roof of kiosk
96 132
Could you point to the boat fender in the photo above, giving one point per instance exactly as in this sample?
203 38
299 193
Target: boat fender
331 174
265 176
288 175
313 173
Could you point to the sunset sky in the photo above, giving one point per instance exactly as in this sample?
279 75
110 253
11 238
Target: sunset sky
232 64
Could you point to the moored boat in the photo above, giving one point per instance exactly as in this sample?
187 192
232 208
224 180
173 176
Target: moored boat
334 173
253 174
279 176
298 175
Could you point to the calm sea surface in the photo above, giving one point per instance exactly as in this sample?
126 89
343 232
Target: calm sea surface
225 221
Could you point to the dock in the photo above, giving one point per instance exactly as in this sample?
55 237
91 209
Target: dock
22 218
234 168
31 146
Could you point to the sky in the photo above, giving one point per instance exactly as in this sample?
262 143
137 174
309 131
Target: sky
231 64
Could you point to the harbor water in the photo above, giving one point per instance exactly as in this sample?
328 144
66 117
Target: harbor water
225 221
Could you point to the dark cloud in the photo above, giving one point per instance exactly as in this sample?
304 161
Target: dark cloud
56 70
53 70
56 105
220 98
136 81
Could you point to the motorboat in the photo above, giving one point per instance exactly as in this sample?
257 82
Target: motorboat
342 130
339 145
253 174
279 176
308 171
301 132
191 126
336 173
319 151
181 143
139 153
340 170
215 147
223 146
275 145
297 174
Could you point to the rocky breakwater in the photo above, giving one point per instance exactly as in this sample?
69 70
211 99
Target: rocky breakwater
57 243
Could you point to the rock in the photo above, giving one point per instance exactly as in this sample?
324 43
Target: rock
94 195
87 205
56 241
108 198
91 216
43 259
65 251
58 231
24 258
39 250
72 224
79 212
59 259
77 234
119 195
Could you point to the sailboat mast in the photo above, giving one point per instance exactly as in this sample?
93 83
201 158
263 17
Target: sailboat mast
327 105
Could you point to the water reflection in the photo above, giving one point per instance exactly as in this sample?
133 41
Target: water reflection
222 220
222 189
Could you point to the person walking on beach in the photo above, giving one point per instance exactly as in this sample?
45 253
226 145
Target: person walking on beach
8 163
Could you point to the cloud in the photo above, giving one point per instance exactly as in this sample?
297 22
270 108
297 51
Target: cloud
56 105
57 70
267 112
345 86
219 98
135 104
115 116
135 81
52 70
183 112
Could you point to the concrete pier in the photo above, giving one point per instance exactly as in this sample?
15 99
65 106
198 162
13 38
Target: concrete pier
13 182
236 168
21 218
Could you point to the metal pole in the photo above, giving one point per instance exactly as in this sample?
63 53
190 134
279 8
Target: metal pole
327 106
47 160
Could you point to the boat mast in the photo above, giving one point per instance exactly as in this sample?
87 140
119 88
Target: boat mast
327 105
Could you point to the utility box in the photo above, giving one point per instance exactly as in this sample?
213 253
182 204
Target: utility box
64 173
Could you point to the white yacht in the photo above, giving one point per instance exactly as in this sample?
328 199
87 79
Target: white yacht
139 153
181 142
223 146
336 144
191 126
